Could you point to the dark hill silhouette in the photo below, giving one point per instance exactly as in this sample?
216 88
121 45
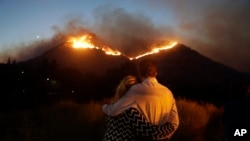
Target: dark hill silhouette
84 60
191 74
188 73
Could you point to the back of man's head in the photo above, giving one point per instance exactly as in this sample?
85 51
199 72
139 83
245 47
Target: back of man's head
147 68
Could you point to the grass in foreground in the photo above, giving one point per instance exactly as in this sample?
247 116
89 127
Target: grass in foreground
70 121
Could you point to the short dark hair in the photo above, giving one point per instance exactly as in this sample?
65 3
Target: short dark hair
147 68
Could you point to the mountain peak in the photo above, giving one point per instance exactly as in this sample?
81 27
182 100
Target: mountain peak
185 71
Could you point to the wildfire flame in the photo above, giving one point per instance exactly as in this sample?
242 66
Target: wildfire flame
82 42
85 41
155 50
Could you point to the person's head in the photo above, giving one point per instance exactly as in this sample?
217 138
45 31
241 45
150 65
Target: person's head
147 68
124 85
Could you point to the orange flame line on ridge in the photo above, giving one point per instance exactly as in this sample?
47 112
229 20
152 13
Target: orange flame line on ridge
155 50
85 42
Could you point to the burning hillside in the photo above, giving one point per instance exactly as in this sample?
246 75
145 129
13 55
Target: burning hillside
88 41
88 53
184 70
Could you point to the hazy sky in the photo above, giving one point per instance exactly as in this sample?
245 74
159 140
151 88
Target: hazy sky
218 29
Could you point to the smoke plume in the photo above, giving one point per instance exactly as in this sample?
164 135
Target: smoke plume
217 29
25 51
131 33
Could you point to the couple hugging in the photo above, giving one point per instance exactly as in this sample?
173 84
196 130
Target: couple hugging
141 111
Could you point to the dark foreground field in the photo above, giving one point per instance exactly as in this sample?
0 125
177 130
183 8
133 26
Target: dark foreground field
70 121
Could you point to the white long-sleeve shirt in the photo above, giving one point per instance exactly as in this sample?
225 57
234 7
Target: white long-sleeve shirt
154 100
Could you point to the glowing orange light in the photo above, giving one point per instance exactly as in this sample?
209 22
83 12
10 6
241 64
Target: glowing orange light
82 42
86 42
111 52
155 50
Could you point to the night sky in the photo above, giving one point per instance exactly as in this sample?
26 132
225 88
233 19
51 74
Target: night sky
218 29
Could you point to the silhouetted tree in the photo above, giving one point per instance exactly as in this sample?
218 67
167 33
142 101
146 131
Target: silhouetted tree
9 61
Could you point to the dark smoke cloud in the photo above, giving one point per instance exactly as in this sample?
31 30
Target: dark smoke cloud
217 29
25 51
131 33
73 27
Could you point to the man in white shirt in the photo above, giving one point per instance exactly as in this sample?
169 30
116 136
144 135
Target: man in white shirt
155 101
